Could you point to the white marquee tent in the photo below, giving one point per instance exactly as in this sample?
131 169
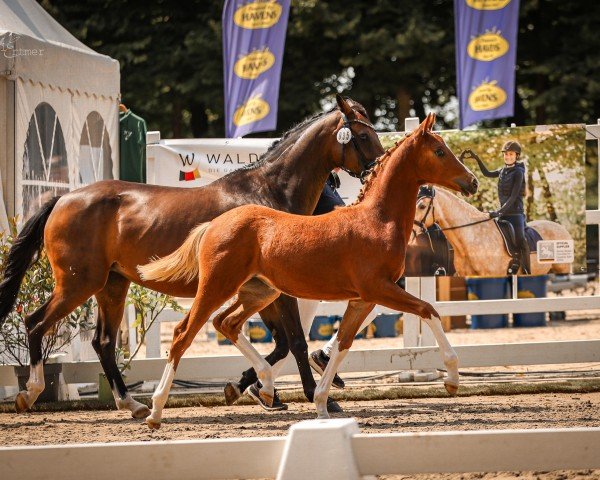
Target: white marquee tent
58 110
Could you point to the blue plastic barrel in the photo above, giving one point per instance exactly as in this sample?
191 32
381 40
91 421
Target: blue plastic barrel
259 333
386 325
531 287
492 288
322 328
222 339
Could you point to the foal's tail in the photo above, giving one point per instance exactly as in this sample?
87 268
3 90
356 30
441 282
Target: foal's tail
29 242
182 264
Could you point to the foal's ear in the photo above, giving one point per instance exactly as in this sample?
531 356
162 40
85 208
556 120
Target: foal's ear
428 123
345 108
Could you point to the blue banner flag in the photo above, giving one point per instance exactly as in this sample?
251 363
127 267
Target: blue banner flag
486 52
253 43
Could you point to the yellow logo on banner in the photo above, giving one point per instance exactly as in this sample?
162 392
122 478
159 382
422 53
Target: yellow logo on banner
487 47
252 65
257 333
487 4
258 14
325 329
251 111
487 96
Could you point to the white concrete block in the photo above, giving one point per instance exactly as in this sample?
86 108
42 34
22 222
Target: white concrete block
320 449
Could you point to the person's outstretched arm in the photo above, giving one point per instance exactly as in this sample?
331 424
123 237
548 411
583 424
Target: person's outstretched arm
482 167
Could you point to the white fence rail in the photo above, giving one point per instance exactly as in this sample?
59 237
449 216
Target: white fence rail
384 360
313 449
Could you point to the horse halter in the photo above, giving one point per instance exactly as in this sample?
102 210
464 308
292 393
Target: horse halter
426 192
345 135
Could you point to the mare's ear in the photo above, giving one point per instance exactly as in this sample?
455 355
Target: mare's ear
345 108
428 123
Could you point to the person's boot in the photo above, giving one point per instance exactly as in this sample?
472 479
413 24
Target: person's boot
318 361
526 258
254 392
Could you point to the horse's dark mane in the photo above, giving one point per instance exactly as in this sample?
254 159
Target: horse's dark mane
381 162
290 137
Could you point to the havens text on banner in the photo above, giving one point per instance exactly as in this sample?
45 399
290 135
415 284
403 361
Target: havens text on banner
253 43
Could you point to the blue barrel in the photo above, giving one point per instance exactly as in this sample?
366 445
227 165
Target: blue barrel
531 287
259 333
386 325
488 289
222 339
322 328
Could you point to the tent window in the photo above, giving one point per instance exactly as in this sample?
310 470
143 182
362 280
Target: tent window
95 156
45 167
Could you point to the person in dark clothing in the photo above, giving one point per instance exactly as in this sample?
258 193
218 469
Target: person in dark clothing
511 190
329 198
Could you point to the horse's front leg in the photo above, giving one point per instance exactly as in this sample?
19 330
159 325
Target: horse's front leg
392 296
353 318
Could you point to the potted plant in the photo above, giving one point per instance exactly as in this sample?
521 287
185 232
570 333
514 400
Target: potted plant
36 287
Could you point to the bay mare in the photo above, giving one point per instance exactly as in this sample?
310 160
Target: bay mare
355 253
479 248
96 236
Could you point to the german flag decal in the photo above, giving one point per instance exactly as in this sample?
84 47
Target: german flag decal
187 176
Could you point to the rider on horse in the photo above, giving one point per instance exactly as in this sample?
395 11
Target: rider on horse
511 190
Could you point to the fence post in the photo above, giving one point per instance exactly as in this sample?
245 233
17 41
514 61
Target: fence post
320 449
410 324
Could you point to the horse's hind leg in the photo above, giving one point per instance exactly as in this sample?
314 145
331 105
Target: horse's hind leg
111 304
253 296
58 306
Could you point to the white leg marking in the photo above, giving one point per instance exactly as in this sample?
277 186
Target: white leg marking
261 367
322 390
307 310
137 409
276 369
449 356
35 385
160 396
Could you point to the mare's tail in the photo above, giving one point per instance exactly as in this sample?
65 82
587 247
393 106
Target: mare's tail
182 264
26 245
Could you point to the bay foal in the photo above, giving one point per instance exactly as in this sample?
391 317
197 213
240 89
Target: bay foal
354 253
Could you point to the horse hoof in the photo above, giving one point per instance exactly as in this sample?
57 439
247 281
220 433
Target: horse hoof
333 406
323 416
141 412
21 404
152 424
451 388
232 393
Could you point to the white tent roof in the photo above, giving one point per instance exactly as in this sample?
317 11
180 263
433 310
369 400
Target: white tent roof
36 48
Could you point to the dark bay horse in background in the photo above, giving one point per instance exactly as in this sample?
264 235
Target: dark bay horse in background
96 236
355 253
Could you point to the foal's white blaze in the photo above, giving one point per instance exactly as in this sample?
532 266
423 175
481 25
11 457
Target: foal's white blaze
35 385
261 366
322 390
449 356
161 395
